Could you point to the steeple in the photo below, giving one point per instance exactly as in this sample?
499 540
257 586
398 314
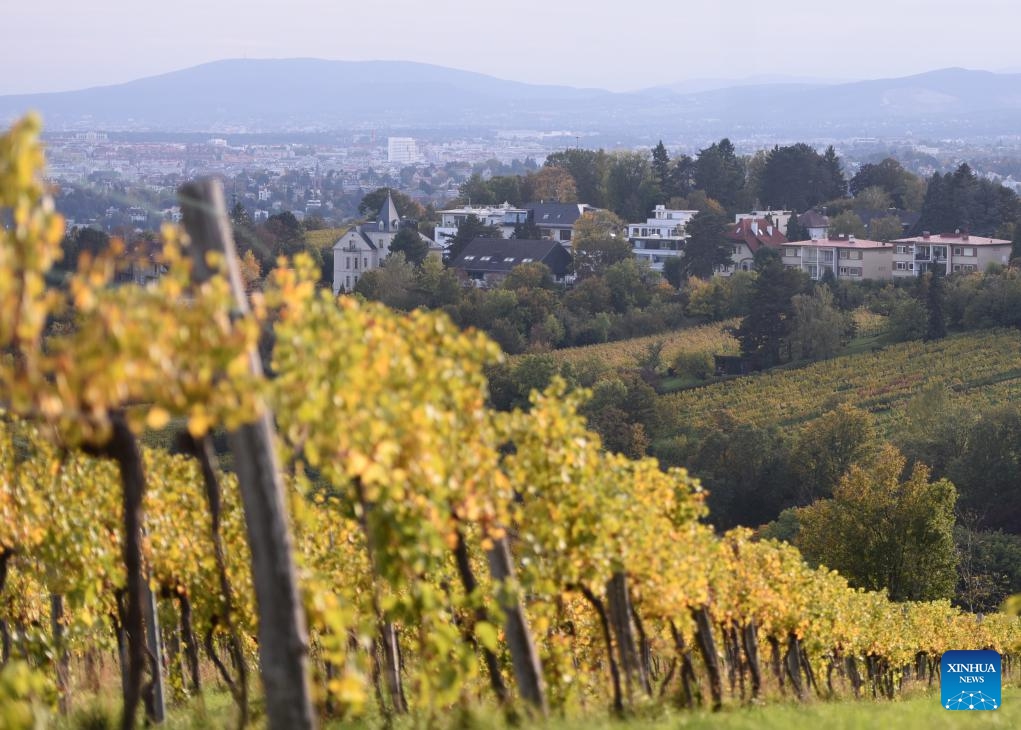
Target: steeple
388 218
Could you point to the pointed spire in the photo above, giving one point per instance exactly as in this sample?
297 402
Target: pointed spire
388 218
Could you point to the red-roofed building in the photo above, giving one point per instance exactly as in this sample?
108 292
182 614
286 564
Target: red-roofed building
948 252
848 258
746 237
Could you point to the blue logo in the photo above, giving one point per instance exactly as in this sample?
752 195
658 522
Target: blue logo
970 680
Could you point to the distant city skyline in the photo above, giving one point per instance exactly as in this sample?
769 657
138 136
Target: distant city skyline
622 47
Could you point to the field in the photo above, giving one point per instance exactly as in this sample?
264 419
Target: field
919 711
984 368
711 338
324 238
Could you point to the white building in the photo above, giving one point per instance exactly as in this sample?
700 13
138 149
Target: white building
401 150
365 247
661 237
504 217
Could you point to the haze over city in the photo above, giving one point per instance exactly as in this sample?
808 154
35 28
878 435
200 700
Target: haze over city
619 47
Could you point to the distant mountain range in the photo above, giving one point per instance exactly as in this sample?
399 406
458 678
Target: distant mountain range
318 95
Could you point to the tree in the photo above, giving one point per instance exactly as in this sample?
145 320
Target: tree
588 169
797 177
874 198
819 328
847 223
883 533
720 173
409 242
909 320
527 231
987 469
661 170
598 242
796 231
631 188
393 283
551 184
706 248
828 447
471 228
890 177
406 207
886 228
764 333
673 271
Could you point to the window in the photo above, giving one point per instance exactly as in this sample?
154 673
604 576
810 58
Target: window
366 261
903 248
356 263
903 266
965 267
347 262
527 261
791 251
347 283
565 235
850 271
508 259
964 250
469 258
485 258
852 255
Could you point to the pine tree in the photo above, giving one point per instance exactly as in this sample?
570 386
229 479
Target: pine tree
661 170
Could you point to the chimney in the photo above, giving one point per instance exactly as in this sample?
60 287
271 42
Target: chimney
850 237
964 235
925 235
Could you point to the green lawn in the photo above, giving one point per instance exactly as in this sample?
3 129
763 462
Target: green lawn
919 711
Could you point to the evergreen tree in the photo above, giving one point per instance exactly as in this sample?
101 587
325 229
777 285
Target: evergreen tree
764 333
409 242
527 231
796 231
661 170
706 247
720 173
470 229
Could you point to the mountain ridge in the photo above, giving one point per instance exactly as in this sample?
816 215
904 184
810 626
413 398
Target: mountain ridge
314 94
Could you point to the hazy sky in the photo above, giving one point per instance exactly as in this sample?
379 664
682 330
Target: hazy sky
54 45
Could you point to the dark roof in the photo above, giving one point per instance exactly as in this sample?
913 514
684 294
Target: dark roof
503 254
554 214
813 219
388 220
755 234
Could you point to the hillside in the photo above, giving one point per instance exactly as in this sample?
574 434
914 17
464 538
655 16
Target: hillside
303 94
982 367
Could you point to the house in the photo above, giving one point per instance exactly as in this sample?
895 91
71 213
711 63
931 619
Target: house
504 217
365 246
947 253
487 261
850 258
816 223
661 237
779 218
556 220
746 236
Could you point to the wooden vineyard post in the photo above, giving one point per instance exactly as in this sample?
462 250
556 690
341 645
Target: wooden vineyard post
283 638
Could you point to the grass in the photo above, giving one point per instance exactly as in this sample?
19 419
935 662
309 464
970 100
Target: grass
919 710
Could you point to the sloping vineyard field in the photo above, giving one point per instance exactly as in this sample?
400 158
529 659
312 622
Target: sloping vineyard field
984 367
714 339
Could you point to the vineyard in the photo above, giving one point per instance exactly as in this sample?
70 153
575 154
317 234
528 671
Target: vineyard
979 367
710 339
386 545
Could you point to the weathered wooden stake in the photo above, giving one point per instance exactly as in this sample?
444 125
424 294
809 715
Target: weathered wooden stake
283 639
